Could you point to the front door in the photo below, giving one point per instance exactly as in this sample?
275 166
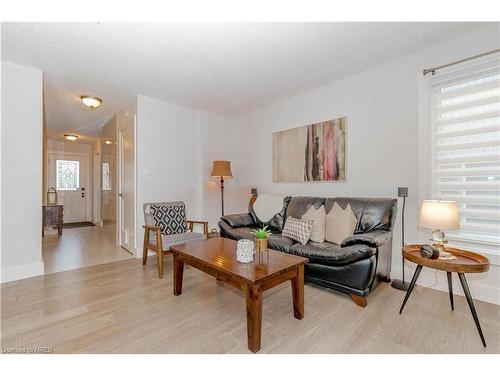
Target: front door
69 175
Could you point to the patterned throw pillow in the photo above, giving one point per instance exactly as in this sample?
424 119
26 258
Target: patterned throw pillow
170 219
297 229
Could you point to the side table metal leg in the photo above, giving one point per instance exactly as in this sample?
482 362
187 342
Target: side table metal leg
410 288
465 286
450 288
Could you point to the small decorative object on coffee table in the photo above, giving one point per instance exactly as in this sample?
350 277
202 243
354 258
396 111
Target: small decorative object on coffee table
217 257
261 249
244 251
460 261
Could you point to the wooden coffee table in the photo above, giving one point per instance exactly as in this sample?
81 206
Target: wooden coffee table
217 257
465 262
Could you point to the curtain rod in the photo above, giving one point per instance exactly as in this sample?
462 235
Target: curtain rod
433 70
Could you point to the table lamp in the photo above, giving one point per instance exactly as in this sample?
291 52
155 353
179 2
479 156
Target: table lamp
222 170
438 216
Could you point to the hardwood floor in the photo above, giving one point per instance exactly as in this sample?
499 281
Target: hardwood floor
123 307
81 247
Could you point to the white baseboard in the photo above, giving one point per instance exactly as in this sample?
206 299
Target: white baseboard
22 272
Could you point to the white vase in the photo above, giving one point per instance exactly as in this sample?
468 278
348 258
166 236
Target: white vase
244 251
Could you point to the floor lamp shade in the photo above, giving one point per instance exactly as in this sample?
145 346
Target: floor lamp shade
222 169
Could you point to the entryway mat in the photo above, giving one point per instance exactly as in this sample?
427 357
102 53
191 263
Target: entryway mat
80 224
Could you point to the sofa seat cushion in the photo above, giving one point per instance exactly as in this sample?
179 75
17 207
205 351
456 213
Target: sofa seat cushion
275 241
331 254
278 242
237 233
177 239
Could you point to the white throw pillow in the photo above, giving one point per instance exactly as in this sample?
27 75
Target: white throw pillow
318 218
267 205
297 229
340 224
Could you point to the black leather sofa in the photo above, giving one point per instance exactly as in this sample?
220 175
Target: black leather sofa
356 266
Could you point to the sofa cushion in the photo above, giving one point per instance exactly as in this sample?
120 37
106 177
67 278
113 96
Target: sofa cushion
340 224
372 213
298 229
278 242
177 239
242 233
318 217
298 206
332 254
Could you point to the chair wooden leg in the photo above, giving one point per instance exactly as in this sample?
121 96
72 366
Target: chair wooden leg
159 259
145 247
159 251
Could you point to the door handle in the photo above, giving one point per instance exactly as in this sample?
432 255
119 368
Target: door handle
120 195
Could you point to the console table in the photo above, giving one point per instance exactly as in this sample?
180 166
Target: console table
52 217
465 262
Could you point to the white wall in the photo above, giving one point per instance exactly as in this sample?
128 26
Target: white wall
21 201
382 107
168 157
218 142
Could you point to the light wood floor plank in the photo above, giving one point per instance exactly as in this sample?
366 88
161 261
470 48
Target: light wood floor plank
123 307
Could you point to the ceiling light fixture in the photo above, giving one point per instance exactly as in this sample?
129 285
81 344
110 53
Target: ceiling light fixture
108 142
71 137
91 101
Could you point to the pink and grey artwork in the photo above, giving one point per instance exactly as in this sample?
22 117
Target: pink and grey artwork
310 153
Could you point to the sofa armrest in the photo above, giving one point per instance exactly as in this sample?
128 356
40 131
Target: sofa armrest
238 220
374 238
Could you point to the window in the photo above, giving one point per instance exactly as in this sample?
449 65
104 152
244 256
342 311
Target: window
106 177
68 174
466 148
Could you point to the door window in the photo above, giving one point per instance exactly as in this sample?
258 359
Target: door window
68 174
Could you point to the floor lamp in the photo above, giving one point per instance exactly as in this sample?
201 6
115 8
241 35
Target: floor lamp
222 170
401 284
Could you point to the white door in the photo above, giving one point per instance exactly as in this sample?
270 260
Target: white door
126 204
69 175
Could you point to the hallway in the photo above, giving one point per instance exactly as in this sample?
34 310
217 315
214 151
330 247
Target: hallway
81 247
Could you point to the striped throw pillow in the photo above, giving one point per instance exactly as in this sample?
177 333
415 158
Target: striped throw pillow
297 229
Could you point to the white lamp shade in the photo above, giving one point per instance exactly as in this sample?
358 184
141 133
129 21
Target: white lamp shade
441 215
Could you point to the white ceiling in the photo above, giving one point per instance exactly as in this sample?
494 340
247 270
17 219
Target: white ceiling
223 68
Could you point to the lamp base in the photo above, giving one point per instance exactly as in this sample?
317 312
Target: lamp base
400 285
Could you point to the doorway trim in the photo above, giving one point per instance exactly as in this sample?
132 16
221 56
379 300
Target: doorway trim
90 179
119 128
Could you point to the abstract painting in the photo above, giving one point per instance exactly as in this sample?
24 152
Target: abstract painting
310 153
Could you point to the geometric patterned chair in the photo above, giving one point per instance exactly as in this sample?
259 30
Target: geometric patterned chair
167 223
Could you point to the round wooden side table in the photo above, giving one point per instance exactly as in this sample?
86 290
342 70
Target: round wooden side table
466 262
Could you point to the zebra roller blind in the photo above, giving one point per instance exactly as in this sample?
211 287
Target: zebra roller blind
465 112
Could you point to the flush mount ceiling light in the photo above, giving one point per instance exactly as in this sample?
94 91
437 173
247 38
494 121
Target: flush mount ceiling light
71 137
108 142
91 101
